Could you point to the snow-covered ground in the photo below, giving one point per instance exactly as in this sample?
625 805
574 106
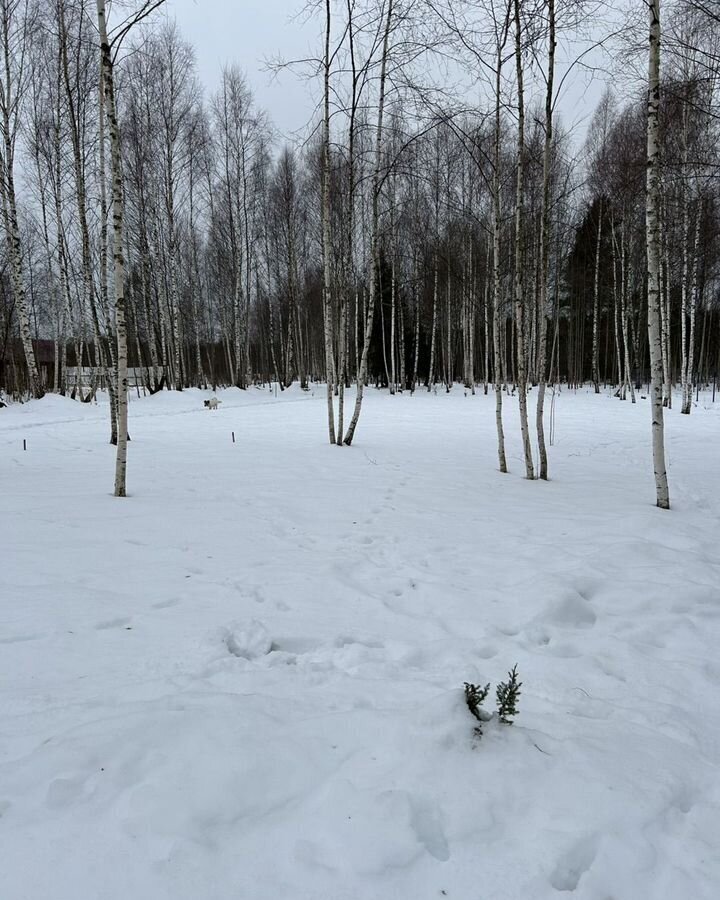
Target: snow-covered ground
244 682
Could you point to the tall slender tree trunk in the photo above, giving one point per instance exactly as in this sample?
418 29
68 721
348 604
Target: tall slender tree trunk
519 254
665 306
326 242
375 227
653 257
433 329
616 315
393 317
596 303
118 253
448 343
81 202
10 100
498 326
545 247
486 319
692 310
416 338
111 368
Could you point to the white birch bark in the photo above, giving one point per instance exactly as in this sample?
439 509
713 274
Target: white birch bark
596 302
545 246
433 330
118 253
375 227
326 240
692 304
498 326
519 286
11 86
653 257
624 313
616 312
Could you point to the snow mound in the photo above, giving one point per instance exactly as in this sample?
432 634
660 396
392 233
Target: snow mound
247 640
570 611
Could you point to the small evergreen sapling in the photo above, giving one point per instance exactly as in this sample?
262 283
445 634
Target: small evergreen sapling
475 697
506 695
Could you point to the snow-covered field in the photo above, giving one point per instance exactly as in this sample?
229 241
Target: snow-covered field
244 682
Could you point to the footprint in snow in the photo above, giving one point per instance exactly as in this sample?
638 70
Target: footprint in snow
20 638
573 864
63 791
425 822
684 798
165 604
113 623
349 641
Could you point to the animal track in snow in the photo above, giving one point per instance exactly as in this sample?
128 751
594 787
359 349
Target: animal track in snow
165 604
348 641
683 798
123 621
20 638
425 822
574 864
62 792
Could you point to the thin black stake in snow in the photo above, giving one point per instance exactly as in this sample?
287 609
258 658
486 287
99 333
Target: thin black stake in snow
233 436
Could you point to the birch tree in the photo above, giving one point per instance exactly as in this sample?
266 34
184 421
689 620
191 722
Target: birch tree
545 242
374 259
653 257
16 23
118 211
520 300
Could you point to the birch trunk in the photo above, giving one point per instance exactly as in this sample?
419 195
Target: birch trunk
665 306
596 303
401 349
448 336
692 303
486 320
545 248
433 331
393 361
118 253
416 339
616 321
326 242
81 203
375 227
497 285
653 258
624 313
111 369
519 286
9 98
684 289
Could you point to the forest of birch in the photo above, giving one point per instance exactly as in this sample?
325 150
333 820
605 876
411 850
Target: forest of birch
455 215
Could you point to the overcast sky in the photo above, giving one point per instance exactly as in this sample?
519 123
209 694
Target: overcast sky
249 31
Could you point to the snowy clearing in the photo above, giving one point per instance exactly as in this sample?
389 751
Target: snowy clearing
245 680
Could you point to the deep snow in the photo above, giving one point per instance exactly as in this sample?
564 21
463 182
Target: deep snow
245 680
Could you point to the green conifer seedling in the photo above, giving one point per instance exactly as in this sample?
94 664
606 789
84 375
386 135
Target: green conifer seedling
474 697
506 695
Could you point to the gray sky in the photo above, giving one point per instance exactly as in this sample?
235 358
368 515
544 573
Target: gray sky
246 32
